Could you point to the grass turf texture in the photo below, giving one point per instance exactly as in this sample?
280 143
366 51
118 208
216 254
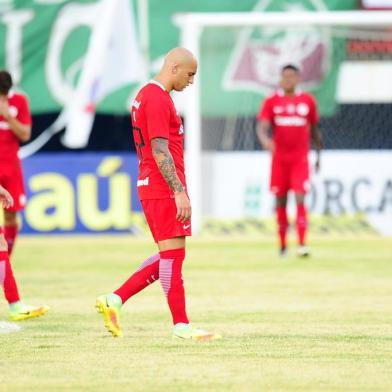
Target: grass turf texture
288 324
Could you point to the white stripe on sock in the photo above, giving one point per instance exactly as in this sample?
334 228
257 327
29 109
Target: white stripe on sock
165 274
152 259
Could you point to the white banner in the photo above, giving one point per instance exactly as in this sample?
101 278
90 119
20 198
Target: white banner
236 185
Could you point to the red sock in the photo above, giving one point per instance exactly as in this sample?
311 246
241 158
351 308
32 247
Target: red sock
6 275
170 274
302 223
283 224
147 273
10 233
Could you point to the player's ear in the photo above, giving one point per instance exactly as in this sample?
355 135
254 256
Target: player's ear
175 69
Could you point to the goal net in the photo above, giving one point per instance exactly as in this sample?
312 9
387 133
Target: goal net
345 60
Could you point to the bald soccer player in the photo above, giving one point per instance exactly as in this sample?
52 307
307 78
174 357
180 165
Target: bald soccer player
159 139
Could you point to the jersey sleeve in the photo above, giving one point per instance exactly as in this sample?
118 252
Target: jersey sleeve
157 112
265 113
24 115
313 113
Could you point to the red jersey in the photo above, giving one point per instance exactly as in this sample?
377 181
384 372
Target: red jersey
9 143
290 118
154 115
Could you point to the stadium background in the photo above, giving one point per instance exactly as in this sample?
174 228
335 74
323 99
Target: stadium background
89 180
295 324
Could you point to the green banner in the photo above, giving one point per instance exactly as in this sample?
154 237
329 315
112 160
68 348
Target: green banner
43 44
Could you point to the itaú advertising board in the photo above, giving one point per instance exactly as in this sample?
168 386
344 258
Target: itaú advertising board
349 182
81 193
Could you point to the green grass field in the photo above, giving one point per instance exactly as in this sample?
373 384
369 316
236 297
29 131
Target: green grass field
319 324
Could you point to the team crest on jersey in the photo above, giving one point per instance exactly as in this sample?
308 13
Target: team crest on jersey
302 109
181 130
13 111
260 53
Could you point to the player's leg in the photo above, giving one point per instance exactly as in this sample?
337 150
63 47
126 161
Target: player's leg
171 236
172 252
302 225
300 185
14 184
172 256
10 229
18 310
282 221
280 186
110 304
9 285
148 272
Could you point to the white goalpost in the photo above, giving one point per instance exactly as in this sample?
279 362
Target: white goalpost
192 26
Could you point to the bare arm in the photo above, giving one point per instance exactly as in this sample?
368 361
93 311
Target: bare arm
21 131
165 163
264 138
317 142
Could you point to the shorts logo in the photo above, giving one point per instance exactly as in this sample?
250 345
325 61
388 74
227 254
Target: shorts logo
186 227
143 182
22 200
181 130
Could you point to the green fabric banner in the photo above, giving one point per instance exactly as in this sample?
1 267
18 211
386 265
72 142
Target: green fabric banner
43 44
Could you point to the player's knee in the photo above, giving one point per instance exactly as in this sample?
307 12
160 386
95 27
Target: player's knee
3 244
10 218
299 198
281 201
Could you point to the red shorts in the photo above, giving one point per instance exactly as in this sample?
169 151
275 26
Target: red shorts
161 218
11 178
289 175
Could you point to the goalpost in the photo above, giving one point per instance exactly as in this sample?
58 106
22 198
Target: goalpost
359 26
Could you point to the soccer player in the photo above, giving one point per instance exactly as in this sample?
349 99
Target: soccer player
293 117
159 139
15 126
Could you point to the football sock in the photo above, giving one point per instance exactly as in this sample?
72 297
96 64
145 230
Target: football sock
9 284
170 274
147 273
283 224
302 223
10 233
16 306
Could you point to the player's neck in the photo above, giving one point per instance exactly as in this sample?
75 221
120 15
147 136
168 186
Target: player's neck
289 93
164 82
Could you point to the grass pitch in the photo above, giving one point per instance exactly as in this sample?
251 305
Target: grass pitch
323 323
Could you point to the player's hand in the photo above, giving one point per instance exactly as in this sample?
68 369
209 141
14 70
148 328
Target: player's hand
317 165
4 108
183 204
269 145
5 198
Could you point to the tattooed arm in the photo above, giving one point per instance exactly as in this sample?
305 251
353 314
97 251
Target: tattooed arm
165 163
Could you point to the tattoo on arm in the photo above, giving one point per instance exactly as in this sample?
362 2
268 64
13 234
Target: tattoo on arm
165 163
